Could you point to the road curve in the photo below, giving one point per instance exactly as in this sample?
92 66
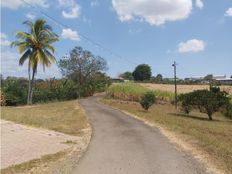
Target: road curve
123 145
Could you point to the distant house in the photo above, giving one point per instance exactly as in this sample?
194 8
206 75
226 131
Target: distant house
220 79
224 81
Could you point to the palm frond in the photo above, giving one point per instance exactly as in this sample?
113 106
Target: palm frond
23 47
24 57
22 35
51 57
50 47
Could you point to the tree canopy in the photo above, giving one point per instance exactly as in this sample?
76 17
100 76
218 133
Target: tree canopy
81 65
206 101
142 72
127 75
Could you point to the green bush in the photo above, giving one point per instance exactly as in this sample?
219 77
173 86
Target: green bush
185 100
147 100
206 101
228 111
15 91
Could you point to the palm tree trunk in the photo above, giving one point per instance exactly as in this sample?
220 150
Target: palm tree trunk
32 83
29 85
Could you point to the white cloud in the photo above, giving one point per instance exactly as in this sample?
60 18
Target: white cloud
30 16
15 4
155 12
94 3
10 67
193 46
68 33
73 13
73 9
229 12
4 41
199 4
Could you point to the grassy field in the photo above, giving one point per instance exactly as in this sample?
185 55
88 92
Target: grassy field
182 88
66 117
133 92
214 137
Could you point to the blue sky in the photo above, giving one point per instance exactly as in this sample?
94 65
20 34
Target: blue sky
195 33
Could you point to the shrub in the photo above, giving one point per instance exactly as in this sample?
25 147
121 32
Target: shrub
228 111
206 101
15 91
185 99
3 98
147 100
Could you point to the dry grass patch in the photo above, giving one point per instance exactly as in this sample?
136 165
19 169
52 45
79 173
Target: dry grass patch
214 137
182 88
66 117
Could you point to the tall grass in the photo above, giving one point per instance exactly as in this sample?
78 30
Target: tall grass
133 92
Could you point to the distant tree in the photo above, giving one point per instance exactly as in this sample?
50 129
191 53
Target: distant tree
127 75
35 46
159 78
206 101
208 77
81 65
147 100
142 72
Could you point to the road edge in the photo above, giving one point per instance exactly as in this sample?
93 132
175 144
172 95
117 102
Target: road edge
181 142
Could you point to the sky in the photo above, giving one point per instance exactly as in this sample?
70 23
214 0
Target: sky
197 34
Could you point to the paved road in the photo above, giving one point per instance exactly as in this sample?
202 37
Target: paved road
21 143
124 145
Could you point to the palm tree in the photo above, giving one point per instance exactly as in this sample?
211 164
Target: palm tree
35 46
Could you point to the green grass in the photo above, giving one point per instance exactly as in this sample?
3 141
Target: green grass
133 92
66 117
215 137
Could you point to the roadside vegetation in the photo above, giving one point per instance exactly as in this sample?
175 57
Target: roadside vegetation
133 92
66 117
206 101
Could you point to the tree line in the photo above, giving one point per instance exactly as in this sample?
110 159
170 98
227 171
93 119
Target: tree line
83 72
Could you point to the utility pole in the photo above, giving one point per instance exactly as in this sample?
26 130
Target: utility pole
174 65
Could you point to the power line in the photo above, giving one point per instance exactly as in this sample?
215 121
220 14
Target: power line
82 35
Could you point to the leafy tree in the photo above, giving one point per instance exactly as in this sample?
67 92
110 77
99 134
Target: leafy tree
81 65
147 100
127 75
159 77
142 72
208 77
206 101
35 46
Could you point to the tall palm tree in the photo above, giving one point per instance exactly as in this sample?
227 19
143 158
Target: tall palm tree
35 46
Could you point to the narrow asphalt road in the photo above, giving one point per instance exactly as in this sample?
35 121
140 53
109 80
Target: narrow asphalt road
123 145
